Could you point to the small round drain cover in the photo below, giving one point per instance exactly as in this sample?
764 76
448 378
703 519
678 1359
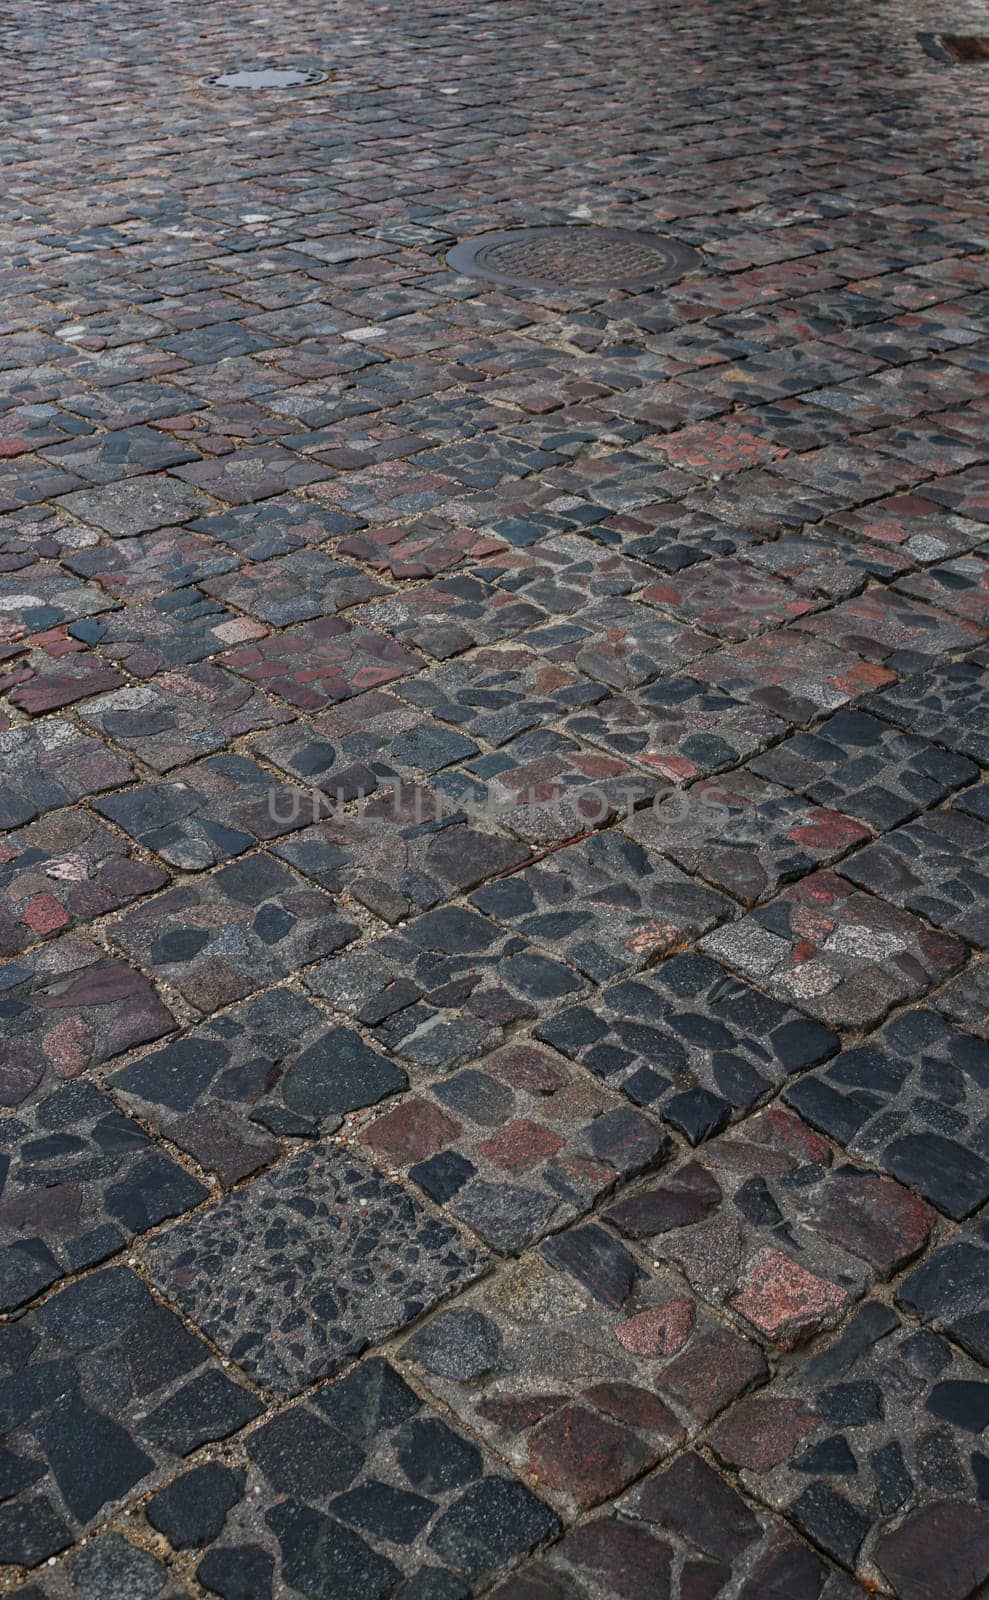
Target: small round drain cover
264 78
574 258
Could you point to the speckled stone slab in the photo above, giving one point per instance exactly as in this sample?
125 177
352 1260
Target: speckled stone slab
356 1255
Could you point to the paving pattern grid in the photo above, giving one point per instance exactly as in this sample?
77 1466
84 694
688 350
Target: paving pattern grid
494 835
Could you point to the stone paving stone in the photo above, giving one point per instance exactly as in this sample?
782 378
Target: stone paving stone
822 562
68 1006
141 569
960 586
443 989
767 1227
107 1568
249 924
363 1488
965 1000
449 615
55 673
37 534
373 742
919 528
40 597
884 626
698 1067
726 598
683 1534
321 662
792 674
744 835
28 479
354 1257
204 814
52 764
176 630
496 693
581 1367
677 727
546 788
604 904
947 704
405 852
294 587
231 1091
137 505
949 1291
64 870
840 955
869 1446
274 527
879 774
81 1180
249 475
620 642
910 1099
563 574
421 548
670 537
111 457
937 866
104 1387
181 715
516 1145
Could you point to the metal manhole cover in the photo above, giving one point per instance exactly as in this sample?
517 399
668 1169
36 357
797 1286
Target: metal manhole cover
264 78
967 49
574 258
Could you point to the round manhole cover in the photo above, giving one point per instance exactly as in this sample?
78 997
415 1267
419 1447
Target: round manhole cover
264 78
574 258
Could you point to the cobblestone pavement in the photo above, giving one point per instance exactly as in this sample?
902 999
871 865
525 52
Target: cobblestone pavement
493 823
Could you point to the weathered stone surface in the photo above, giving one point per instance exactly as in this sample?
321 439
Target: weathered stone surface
516 1144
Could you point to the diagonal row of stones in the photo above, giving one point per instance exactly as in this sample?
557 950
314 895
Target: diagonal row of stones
492 881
